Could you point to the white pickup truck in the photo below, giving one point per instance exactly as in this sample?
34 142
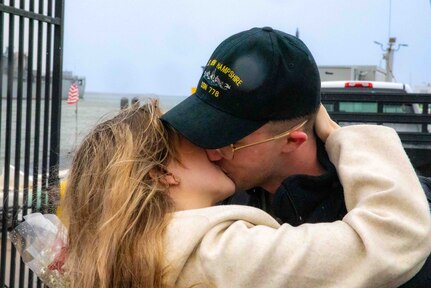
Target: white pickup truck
372 107
355 102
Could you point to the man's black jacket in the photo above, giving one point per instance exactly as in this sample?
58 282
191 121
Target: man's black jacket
314 199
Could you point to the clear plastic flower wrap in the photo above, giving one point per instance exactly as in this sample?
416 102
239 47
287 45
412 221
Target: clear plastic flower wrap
41 241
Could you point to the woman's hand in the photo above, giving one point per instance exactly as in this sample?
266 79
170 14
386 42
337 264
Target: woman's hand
324 124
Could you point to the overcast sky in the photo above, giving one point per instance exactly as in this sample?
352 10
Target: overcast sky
138 46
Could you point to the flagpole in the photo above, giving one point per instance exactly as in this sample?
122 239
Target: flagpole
73 98
76 123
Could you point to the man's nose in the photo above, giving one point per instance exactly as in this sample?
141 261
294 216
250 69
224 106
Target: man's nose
213 155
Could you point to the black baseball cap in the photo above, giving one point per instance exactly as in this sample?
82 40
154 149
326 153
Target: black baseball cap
253 77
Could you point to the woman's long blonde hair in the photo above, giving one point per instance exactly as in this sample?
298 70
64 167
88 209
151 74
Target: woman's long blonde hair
116 205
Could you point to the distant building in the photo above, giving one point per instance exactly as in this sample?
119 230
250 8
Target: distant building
68 79
353 72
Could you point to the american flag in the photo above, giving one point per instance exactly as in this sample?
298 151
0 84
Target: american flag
73 96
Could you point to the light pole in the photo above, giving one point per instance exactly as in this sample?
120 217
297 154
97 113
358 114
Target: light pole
388 56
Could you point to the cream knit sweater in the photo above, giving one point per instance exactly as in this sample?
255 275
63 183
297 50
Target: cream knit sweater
381 242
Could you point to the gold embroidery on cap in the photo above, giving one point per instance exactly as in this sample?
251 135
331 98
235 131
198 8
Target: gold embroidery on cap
204 85
227 71
212 62
214 92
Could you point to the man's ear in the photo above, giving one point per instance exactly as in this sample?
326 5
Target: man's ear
295 140
166 178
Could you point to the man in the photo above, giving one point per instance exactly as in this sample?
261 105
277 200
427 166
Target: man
261 90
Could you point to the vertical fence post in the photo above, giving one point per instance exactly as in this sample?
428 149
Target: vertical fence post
27 145
17 168
1 70
37 187
46 113
56 99
7 157
3 241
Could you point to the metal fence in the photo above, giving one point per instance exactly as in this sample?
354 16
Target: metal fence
31 40
409 114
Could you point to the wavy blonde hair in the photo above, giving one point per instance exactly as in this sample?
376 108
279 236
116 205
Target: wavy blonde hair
116 206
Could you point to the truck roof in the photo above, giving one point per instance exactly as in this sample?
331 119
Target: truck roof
374 85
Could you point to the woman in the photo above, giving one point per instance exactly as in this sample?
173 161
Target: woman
138 205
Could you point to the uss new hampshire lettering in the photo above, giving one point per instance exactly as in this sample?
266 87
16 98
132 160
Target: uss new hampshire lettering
226 70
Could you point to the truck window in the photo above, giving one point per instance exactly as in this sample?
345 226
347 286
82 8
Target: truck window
358 107
398 108
367 107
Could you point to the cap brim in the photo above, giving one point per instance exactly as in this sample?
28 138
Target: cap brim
206 126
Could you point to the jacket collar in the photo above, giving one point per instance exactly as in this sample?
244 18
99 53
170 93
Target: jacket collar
300 195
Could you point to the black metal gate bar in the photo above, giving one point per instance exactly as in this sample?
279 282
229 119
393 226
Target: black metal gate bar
45 147
18 127
54 156
20 92
38 113
30 15
37 109
8 131
28 137
2 251
1 69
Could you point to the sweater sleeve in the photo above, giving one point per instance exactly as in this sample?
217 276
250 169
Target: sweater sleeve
382 241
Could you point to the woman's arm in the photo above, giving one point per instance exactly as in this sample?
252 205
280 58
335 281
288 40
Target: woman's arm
382 241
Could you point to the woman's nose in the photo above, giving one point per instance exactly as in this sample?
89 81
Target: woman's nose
213 155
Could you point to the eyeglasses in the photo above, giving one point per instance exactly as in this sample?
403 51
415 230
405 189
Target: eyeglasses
228 152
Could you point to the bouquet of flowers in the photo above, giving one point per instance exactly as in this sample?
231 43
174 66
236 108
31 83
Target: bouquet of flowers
41 241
